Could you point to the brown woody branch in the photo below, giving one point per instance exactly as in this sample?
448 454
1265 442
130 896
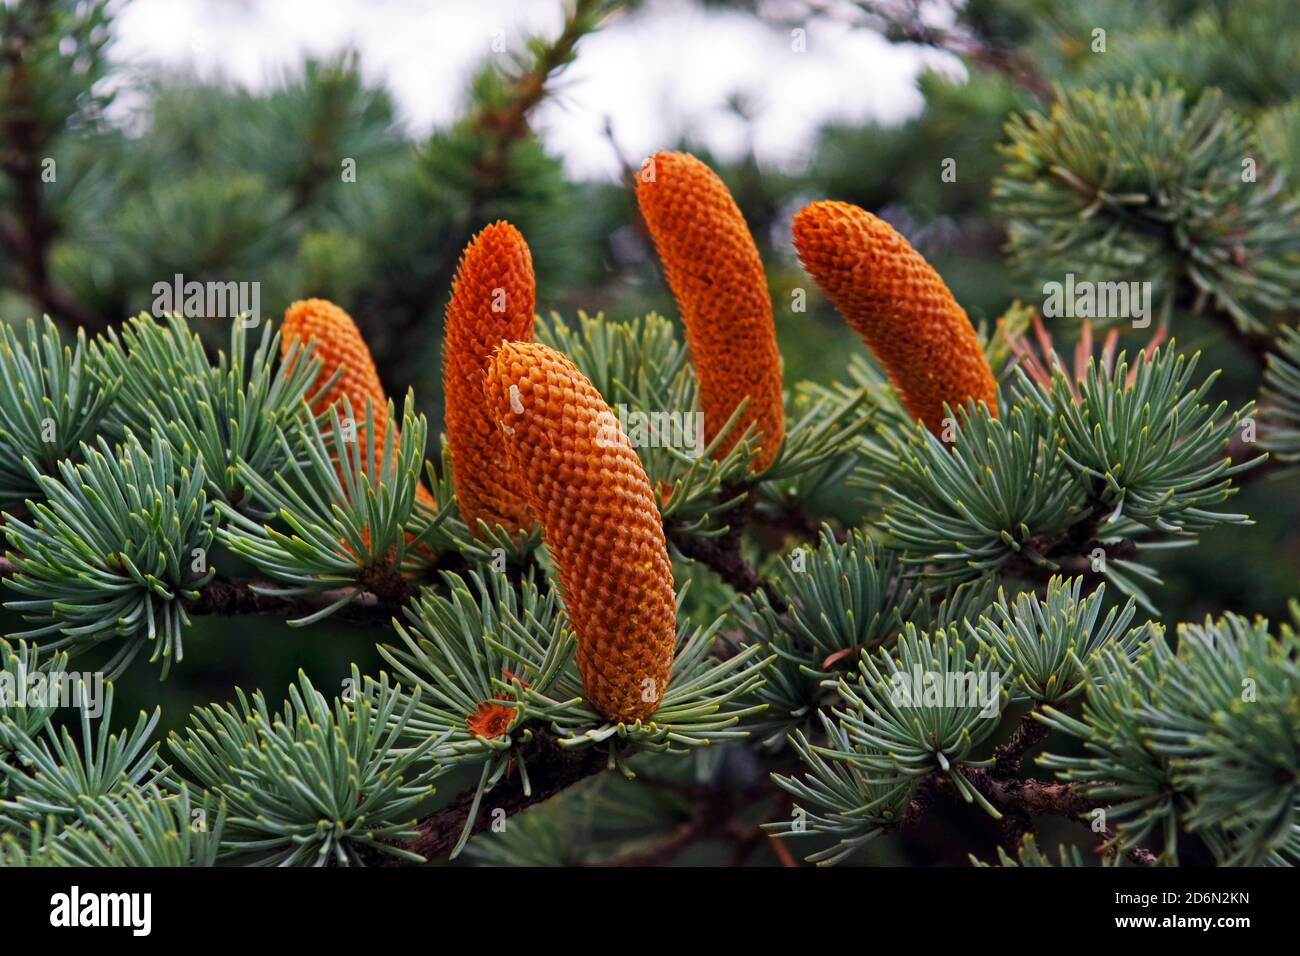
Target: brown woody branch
723 556
981 51
27 234
722 553
1020 800
551 768
385 591
238 596
1029 733
1070 550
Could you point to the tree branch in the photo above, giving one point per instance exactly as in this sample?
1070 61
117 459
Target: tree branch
27 235
1029 733
1019 800
232 597
502 126
722 553
551 768
723 556
1070 550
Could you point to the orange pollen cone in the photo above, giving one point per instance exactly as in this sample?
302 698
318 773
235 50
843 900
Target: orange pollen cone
600 522
339 345
492 300
900 306
713 268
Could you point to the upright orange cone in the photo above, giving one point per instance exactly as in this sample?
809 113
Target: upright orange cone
900 306
713 268
492 301
339 345
599 520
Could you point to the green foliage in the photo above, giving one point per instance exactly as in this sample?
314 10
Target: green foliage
922 706
1069 469
1144 442
468 650
708 697
1121 771
966 511
639 366
145 827
64 64
1028 854
1230 46
822 437
55 774
1204 738
1227 720
347 496
639 361
984 548
843 597
467 660
1279 138
592 822
829 422
1280 428
855 802
119 544
25 704
49 404
1047 643
315 783
230 411
26 849
1135 182
541 836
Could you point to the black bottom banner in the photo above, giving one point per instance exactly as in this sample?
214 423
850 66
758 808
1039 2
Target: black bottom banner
240 906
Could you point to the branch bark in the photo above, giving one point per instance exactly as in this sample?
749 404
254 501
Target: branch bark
1029 733
551 768
27 235
1020 800
232 597
1071 551
722 554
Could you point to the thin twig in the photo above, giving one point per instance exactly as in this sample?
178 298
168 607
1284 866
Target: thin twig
1020 800
551 769
27 236
500 126
722 553
230 597
1029 733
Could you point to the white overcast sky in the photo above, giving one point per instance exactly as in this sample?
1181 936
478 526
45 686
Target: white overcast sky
665 70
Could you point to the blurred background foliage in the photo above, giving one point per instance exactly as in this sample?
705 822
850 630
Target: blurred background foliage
222 183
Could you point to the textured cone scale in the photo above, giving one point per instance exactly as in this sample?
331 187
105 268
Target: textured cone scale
713 268
600 522
339 345
896 301
492 301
